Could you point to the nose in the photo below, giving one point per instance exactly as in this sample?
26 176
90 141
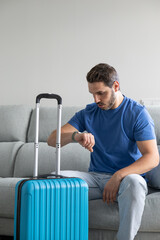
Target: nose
96 98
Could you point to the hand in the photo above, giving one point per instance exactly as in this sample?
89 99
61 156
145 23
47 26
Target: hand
111 189
86 140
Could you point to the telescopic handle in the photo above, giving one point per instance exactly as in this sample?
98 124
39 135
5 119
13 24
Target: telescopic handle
50 96
58 137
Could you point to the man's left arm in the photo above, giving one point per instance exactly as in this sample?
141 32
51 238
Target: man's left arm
149 160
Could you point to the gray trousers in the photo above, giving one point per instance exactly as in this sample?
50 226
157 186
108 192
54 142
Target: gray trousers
131 198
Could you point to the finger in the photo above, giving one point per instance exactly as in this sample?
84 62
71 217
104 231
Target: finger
93 140
86 139
104 196
114 197
92 143
89 142
89 147
108 198
111 198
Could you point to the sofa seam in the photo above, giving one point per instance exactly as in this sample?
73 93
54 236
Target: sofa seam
16 158
29 121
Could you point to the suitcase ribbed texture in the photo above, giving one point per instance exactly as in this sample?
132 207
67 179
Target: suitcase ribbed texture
53 209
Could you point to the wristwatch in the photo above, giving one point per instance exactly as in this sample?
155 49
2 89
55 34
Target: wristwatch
73 135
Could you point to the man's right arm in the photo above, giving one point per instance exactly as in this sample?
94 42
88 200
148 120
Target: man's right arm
84 139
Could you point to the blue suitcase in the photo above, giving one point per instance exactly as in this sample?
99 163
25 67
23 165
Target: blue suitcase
51 207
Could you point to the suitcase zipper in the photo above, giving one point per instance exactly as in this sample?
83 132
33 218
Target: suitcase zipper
19 209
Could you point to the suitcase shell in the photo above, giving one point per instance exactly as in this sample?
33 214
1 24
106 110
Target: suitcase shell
51 209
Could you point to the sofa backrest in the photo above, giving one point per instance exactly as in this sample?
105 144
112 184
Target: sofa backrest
17 131
48 121
154 111
73 156
14 122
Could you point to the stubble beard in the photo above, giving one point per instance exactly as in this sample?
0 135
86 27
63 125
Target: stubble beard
110 103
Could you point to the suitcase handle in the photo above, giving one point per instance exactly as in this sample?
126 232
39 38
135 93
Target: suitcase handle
50 96
58 137
51 175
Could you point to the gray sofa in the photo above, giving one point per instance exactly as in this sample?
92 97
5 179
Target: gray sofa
17 128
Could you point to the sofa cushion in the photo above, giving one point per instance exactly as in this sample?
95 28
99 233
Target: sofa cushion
7 190
153 176
151 214
73 157
48 121
155 114
8 153
107 216
14 122
6 227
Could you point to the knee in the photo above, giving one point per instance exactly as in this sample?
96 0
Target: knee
135 184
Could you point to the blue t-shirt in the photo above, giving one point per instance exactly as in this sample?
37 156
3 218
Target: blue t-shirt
116 132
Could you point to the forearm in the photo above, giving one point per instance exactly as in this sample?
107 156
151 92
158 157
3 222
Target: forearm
66 135
65 138
144 164
86 140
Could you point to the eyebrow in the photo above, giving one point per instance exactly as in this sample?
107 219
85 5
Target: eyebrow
98 92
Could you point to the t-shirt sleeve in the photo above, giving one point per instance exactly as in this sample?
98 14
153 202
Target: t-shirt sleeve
144 127
78 121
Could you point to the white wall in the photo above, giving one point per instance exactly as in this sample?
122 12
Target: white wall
50 45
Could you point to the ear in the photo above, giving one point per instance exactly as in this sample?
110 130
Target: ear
116 86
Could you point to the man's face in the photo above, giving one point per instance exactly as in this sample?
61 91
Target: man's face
104 96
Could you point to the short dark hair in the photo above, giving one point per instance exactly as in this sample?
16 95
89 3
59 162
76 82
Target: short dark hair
103 72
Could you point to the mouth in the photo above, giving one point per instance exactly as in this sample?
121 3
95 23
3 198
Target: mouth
101 105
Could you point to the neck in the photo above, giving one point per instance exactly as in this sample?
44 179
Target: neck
118 100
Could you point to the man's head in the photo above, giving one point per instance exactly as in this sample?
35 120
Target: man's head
103 84
103 73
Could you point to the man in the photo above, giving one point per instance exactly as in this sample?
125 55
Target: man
120 135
